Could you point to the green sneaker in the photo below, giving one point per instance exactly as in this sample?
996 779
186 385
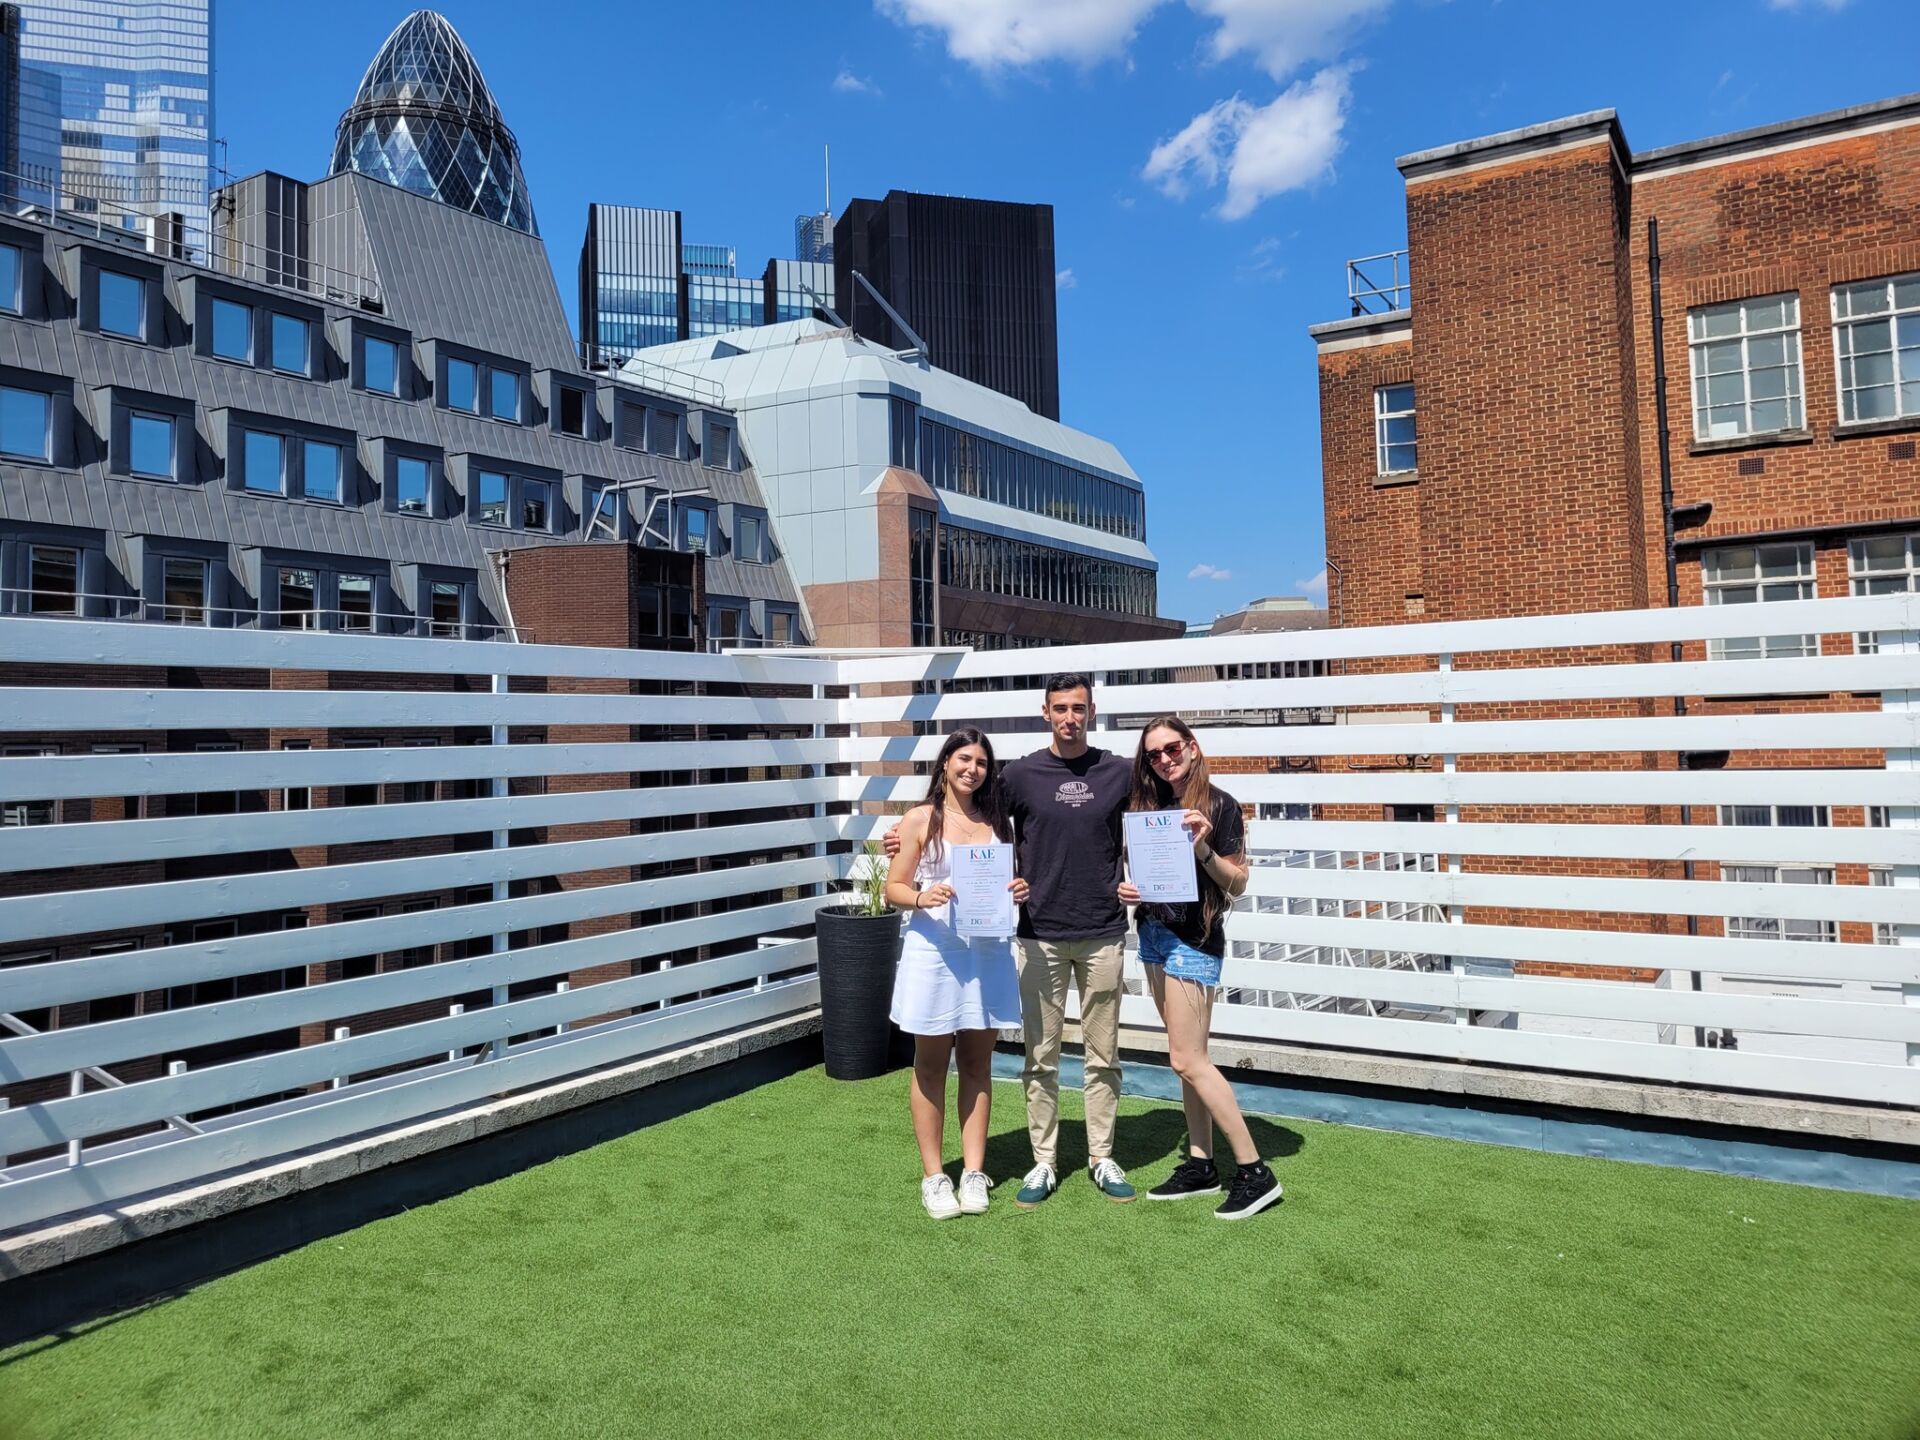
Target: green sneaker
1039 1184
1110 1180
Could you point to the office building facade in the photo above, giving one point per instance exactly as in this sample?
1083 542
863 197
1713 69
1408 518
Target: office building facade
972 279
423 119
813 238
918 508
131 84
642 285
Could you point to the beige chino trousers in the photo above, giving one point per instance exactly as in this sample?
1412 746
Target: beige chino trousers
1094 967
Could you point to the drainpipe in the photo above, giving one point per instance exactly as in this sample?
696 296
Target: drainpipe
1665 443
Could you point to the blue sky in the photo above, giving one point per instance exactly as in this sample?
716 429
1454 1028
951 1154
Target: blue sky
1211 163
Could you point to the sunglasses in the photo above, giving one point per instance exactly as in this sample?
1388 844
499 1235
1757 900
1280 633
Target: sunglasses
1167 753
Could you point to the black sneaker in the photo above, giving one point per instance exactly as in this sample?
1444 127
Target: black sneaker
1253 1190
1192 1176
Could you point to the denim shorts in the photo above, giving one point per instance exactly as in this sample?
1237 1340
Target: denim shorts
1160 946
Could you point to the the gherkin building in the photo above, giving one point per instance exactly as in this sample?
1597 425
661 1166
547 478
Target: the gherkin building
424 120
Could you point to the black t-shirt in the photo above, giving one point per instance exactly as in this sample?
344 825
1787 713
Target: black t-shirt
1229 837
1066 817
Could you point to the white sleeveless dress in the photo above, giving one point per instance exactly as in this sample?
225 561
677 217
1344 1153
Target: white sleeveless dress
947 982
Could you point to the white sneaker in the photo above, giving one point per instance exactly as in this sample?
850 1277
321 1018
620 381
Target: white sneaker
936 1193
974 1185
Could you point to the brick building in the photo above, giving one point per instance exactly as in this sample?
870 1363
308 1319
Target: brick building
1492 431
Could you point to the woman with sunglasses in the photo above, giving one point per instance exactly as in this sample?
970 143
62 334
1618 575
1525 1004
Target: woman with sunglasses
1182 947
952 992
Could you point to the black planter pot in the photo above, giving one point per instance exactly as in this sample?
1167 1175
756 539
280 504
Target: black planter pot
857 953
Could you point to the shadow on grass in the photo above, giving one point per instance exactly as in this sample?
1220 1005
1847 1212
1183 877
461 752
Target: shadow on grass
1140 1142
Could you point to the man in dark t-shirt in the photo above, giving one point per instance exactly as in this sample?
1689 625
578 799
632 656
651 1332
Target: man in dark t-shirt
1066 802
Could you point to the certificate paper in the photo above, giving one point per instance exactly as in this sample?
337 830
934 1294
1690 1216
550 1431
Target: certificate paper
1160 856
982 903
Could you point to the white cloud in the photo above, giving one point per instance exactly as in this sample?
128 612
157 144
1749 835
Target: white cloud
1260 150
1316 586
1065 279
1204 571
1283 35
848 83
991 34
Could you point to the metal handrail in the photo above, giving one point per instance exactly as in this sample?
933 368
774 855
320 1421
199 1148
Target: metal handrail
137 608
1364 293
26 198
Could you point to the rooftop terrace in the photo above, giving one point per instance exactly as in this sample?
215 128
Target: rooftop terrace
760 1265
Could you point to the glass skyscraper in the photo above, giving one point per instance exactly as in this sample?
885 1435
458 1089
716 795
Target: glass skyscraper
813 237
131 80
629 281
424 120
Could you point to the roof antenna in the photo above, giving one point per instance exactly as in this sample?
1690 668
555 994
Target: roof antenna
826 161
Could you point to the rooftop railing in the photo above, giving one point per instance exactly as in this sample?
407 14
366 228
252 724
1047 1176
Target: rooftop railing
1379 284
309 964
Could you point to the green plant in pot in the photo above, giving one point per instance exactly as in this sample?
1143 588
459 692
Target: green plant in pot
857 940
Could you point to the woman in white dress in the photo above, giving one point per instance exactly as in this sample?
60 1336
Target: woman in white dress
952 993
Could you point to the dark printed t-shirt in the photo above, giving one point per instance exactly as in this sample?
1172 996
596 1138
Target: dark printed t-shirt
1229 837
1066 817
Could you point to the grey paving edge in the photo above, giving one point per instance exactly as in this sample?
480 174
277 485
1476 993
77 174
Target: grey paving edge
1820 1118
59 1242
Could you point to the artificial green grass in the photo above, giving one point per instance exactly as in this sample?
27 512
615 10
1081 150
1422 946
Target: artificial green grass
762 1266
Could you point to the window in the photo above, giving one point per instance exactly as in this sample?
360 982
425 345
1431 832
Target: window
444 605
503 395
17 814
150 445
380 365
1770 815
780 622
492 488
1746 574
24 431
696 530
414 955
183 591
603 513
1768 928
747 544
417 792
663 432
463 386
232 331
320 471
10 268
1876 341
297 591
123 304
366 792
265 462
1882 565
1885 932
719 448
360 966
573 412
903 424
296 797
53 580
1746 367
412 485
1394 442
356 603
215 802
290 352
727 625
536 510
38 1020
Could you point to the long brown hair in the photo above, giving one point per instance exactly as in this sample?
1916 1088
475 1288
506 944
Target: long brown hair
989 800
1150 792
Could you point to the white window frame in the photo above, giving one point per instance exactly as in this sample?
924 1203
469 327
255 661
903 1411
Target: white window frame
1381 415
1700 343
1863 580
1804 584
1766 928
1903 332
